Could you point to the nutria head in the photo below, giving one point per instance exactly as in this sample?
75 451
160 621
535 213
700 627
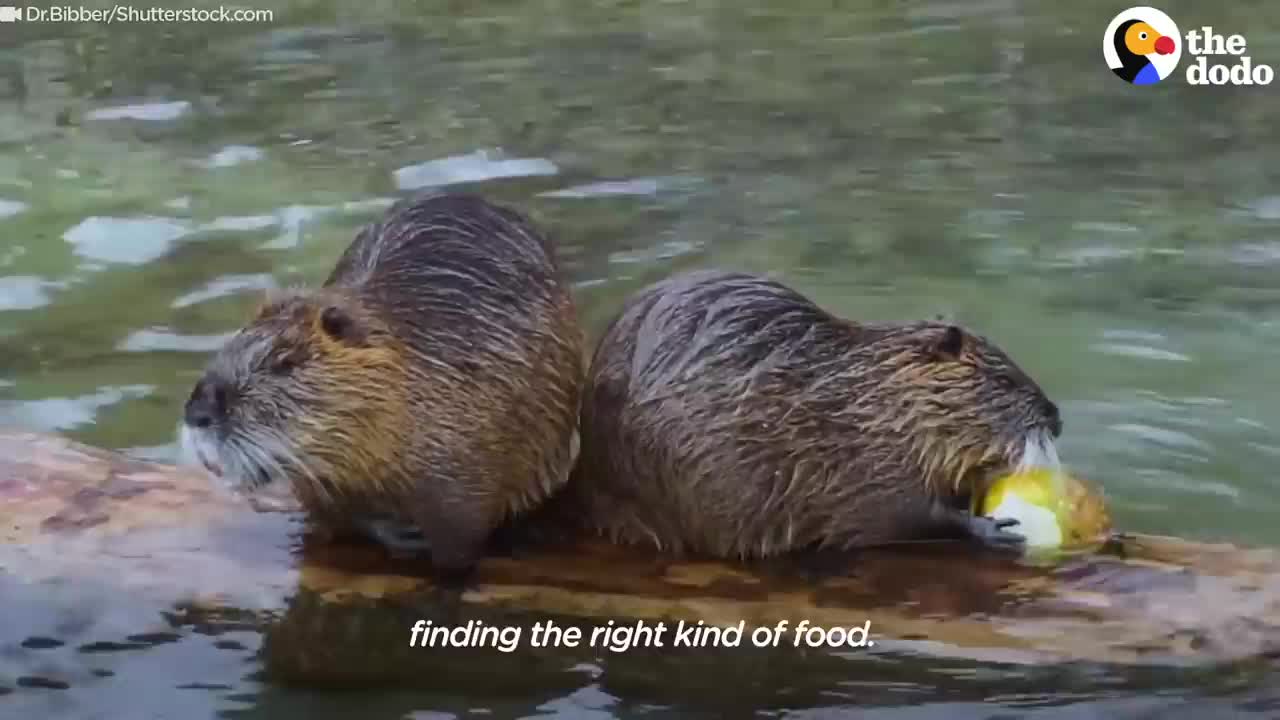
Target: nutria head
962 406
313 387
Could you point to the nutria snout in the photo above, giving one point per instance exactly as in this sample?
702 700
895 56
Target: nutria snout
433 378
729 415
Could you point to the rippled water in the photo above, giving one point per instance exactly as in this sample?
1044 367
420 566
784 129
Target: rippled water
894 160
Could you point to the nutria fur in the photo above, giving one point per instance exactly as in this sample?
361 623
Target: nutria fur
434 378
726 414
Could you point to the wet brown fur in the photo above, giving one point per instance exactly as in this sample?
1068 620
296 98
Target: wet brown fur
435 377
726 414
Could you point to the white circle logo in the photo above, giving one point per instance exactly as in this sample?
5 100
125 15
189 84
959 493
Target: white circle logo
1142 45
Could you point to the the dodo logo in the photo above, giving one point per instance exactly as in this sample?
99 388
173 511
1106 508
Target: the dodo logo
1142 45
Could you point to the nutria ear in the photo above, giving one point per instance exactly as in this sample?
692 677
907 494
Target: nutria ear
340 325
949 344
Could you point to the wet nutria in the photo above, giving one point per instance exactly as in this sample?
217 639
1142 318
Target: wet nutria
726 414
434 378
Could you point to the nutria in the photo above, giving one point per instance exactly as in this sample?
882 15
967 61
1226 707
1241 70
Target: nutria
725 414
432 381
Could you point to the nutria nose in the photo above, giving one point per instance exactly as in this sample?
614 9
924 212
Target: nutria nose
207 404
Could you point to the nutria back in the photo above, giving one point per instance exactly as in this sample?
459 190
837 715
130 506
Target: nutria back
727 414
434 377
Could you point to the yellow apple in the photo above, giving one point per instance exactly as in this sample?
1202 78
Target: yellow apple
1054 509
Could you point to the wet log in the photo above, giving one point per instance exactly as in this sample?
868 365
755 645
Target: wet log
135 548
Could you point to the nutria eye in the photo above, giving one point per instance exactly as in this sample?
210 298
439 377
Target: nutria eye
284 365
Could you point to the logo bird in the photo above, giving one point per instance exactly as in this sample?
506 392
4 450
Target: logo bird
1135 40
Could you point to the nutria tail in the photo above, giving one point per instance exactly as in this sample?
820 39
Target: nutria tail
726 413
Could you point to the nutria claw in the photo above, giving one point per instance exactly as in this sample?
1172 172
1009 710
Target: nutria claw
400 540
991 532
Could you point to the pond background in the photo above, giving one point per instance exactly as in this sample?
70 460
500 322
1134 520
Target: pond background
894 160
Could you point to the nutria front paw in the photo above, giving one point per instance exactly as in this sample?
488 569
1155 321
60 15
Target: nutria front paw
991 532
400 539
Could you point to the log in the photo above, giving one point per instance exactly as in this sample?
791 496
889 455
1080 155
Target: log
162 549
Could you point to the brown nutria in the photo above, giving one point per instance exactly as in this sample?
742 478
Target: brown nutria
433 380
725 414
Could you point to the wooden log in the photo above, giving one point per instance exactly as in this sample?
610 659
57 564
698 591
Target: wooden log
159 547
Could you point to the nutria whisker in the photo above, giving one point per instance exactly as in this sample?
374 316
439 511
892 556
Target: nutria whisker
1039 451
272 458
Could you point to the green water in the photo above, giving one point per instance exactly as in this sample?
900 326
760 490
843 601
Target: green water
892 159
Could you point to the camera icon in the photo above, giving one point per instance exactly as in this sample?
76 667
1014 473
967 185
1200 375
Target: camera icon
8 13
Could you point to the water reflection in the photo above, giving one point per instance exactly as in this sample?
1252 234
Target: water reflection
233 155
155 111
68 413
24 292
9 208
473 167
227 285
